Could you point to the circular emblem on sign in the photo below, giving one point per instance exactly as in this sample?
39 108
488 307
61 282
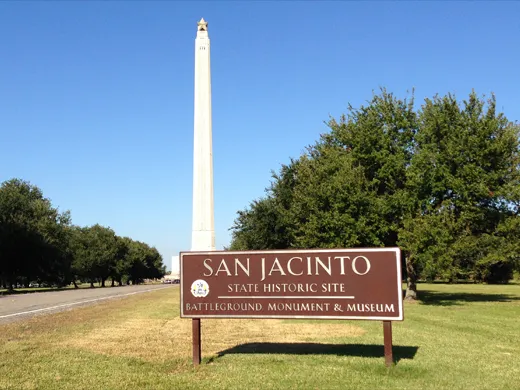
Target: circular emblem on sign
200 288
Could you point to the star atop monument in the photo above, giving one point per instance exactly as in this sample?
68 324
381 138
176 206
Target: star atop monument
203 25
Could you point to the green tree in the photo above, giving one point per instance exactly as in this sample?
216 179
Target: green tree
346 190
137 261
96 251
33 237
259 227
333 204
155 269
442 182
120 268
464 179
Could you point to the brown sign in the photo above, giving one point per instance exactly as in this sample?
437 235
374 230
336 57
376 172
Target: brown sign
362 284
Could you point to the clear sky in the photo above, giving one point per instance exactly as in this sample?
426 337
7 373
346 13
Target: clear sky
96 98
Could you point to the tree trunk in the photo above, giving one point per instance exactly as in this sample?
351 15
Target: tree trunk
103 282
91 284
113 283
411 280
75 284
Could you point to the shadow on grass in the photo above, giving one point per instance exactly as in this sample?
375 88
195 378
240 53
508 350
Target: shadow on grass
361 350
435 298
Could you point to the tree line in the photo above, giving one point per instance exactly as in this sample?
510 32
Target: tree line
39 244
441 181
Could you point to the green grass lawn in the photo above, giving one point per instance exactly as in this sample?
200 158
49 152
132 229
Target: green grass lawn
457 337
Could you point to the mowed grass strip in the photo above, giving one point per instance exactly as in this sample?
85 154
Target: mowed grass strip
458 337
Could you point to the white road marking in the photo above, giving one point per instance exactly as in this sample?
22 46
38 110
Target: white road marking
79 303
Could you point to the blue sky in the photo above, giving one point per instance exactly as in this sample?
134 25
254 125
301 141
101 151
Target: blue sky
96 98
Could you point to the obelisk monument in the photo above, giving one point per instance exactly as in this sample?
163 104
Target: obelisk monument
203 228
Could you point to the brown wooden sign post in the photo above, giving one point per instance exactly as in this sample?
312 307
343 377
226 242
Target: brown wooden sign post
350 284
387 339
197 345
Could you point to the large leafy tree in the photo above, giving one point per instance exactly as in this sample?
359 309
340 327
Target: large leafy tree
464 179
39 244
96 253
260 226
141 262
441 182
346 190
99 254
33 237
333 204
120 269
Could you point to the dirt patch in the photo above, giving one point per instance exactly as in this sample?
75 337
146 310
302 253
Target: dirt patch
160 340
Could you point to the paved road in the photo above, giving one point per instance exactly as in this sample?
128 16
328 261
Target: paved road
15 307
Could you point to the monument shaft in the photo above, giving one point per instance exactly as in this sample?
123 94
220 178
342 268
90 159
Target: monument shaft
203 229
